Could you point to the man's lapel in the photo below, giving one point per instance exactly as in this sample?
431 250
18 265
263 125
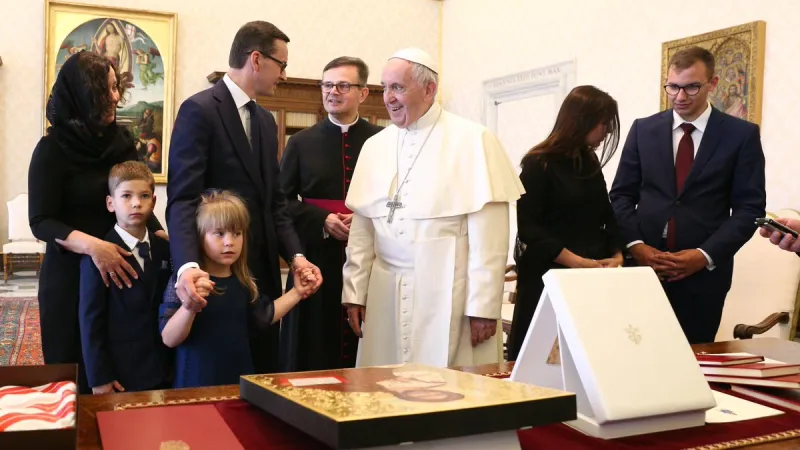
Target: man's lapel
269 145
233 125
664 151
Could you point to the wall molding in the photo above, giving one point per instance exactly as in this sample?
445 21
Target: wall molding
557 79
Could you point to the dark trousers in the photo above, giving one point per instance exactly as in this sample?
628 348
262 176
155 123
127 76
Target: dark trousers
529 291
265 350
59 282
699 311
264 344
697 301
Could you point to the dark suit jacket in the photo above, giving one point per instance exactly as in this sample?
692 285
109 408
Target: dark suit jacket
721 198
210 149
119 327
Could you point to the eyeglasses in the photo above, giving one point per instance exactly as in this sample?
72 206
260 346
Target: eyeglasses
343 87
689 89
280 63
396 89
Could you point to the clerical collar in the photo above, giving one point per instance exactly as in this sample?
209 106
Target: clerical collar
427 119
344 127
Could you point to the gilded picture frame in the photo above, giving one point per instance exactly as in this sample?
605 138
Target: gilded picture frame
143 45
739 53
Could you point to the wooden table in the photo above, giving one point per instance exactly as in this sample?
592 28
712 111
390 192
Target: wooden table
89 437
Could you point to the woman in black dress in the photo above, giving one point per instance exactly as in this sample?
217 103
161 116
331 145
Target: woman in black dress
565 219
67 188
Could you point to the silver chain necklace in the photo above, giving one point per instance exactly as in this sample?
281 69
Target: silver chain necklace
395 202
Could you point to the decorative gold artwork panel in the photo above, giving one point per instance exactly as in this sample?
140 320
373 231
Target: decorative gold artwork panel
142 45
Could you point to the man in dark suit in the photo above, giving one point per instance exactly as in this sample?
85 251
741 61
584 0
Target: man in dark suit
689 186
223 140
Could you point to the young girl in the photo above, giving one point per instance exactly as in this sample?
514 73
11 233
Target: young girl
213 345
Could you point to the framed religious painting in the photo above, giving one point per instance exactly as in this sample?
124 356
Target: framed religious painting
142 44
739 54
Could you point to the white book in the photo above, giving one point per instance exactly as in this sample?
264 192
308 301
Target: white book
622 352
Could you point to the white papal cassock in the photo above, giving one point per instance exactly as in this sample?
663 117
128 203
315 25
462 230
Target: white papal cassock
442 258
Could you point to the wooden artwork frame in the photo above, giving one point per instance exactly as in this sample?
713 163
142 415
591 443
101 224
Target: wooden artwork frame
739 53
144 46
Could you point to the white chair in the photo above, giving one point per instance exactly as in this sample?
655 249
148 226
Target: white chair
23 248
765 286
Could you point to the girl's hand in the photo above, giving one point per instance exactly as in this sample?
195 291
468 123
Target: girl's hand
307 283
204 286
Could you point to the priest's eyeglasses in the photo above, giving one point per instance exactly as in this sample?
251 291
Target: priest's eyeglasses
689 89
343 87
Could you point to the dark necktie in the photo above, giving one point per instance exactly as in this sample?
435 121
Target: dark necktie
144 251
683 164
255 136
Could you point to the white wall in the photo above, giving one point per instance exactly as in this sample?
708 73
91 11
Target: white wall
320 30
617 46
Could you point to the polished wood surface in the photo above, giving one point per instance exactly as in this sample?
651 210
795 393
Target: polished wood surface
744 331
90 405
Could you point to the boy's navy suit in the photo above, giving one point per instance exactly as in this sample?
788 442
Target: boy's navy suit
119 327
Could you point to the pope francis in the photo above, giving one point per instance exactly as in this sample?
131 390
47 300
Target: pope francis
423 279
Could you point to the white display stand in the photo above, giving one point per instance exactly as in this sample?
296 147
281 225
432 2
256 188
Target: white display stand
504 440
622 352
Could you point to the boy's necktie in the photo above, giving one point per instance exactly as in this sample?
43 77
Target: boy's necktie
144 251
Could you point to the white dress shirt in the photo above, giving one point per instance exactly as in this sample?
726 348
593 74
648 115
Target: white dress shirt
700 125
132 242
241 99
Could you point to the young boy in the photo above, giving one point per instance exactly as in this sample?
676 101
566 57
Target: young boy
122 348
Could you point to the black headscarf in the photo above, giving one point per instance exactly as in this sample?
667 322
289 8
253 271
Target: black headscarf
69 111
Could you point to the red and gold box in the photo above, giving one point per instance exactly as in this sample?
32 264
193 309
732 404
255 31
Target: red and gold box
357 408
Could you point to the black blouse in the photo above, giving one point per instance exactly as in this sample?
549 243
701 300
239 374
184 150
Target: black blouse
66 195
564 206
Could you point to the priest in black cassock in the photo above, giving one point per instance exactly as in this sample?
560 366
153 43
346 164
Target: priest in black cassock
317 166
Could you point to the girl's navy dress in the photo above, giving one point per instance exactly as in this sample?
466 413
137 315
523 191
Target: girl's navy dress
217 350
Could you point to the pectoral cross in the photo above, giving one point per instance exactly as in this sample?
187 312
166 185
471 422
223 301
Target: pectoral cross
393 205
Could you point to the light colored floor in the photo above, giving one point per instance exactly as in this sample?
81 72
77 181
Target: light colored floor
23 284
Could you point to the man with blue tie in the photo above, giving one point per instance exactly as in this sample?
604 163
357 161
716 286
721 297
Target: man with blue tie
223 140
689 186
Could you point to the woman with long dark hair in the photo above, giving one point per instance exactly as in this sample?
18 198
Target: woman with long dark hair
67 188
565 219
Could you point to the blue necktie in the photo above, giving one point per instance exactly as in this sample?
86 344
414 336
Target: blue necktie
144 251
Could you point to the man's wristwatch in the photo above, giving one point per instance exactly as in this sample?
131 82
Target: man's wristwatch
296 255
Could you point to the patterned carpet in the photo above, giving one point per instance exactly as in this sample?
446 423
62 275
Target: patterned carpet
20 339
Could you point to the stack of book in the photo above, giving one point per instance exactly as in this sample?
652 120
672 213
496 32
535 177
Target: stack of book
757 377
